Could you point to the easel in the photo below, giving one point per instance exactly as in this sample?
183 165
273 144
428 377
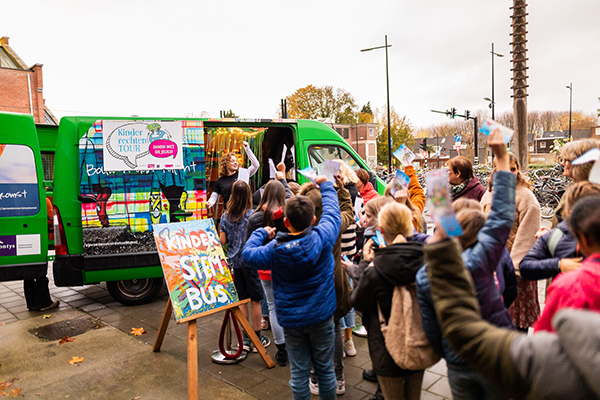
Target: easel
192 340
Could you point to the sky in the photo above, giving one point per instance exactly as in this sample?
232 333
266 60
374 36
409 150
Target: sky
156 58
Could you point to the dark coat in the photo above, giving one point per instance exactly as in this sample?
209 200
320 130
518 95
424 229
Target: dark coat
394 265
540 264
474 190
481 260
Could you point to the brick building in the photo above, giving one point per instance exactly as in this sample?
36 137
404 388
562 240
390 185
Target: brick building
362 138
22 87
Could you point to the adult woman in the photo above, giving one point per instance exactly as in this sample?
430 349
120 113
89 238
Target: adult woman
525 310
365 188
462 180
578 173
228 174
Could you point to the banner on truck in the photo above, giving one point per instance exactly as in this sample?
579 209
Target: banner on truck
120 206
195 268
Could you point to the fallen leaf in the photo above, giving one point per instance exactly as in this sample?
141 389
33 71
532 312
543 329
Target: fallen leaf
38 394
65 340
46 316
137 397
76 360
1 323
137 331
6 384
15 392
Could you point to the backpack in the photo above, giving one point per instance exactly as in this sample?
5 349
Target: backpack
553 240
404 336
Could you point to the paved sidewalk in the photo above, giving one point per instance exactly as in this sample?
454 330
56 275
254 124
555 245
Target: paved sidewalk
118 365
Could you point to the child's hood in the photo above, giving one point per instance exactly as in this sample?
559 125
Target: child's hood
395 261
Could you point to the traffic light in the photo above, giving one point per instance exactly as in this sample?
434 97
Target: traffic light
467 114
452 112
423 144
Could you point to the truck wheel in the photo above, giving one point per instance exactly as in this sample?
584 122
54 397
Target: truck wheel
134 292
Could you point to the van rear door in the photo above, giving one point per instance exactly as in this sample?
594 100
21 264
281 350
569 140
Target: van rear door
23 213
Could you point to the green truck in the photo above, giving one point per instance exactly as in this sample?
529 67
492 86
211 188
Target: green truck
115 177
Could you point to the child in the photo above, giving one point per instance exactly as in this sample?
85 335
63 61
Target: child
483 243
504 275
579 288
269 212
557 251
233 230
393 265
302 265
541 366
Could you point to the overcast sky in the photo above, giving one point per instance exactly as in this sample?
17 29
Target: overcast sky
168 58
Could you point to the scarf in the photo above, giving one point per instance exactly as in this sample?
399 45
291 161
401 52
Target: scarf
457 189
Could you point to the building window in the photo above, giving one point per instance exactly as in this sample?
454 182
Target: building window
542 145
345 133
371 132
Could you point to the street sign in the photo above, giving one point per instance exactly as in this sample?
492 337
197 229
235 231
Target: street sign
457 147
457 138
424 153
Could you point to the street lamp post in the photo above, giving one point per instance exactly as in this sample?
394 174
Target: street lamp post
492 102
387 78
570 87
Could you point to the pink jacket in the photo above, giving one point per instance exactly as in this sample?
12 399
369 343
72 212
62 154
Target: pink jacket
579 289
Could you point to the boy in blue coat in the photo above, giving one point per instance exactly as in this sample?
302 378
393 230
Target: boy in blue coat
302 265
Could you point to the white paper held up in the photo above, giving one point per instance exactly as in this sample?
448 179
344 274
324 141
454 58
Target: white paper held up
330 169
244 175
272 169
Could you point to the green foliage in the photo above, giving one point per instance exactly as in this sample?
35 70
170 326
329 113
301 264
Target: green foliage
401 134
557 146
312 102
230 114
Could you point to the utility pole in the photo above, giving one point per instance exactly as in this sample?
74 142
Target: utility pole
519 52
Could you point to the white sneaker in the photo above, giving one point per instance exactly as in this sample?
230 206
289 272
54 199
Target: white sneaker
341 387
314 387
360 331
349 348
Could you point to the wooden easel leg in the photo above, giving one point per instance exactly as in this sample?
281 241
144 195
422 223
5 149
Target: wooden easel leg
192 360
163 326
253 338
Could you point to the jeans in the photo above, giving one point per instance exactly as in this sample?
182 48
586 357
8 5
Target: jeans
467 384
264 306
349 320
312 344
270 300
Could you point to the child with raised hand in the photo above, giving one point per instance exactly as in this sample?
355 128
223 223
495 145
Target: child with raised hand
579 288
269 212
557 251
394 264
482 243
542 366
504 275
302 272
232 233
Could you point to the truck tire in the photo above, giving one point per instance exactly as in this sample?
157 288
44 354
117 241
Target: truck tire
134 292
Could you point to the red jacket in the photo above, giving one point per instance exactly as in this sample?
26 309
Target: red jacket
579 289
368 193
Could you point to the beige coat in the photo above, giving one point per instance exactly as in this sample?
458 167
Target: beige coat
527 222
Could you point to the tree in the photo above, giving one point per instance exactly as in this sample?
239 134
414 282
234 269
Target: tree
401 133
365 115
230 114
312 102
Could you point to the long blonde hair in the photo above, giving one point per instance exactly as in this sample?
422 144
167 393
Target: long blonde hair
395 219
374 206
417 217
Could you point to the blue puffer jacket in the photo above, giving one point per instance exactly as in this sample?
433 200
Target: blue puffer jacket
481 260
540 264
301 266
